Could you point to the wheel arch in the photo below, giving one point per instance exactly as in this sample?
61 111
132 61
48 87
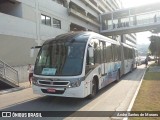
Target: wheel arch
95 77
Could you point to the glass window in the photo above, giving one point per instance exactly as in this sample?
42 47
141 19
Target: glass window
61 57
43 19
125 52
56 23
128 53
108 52
115 52
46 20
102 51
93 61
97 51
119 52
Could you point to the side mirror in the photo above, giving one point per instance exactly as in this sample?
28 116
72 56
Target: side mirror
32 50
91 52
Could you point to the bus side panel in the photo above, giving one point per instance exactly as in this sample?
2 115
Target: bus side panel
111 71
115 68
126 66
122 68
88 80
109 76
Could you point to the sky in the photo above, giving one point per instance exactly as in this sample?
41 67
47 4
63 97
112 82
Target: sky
135 3
142 38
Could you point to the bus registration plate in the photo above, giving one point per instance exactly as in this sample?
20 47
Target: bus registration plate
51 90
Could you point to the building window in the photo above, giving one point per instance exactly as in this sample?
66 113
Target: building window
46 20
56 23
43 19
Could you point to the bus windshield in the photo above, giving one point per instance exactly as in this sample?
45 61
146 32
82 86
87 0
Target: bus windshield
60 59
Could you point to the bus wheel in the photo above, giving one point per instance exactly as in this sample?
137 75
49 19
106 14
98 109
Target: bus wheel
118 76
131 68
94 89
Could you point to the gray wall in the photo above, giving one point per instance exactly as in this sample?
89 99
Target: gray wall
16 50
29 12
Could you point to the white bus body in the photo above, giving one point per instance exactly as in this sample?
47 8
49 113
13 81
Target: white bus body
79 64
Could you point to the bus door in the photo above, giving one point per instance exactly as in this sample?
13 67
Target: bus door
98 55
115 64
106 62
134 57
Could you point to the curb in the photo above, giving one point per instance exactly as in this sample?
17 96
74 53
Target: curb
135 95
12 90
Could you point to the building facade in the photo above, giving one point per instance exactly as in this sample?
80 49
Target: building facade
28 23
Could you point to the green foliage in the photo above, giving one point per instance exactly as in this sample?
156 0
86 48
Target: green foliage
155 45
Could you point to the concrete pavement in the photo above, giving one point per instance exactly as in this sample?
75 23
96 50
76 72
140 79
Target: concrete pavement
114 97
25 85
22 86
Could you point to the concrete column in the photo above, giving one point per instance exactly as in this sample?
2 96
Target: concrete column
129 17
135 20
119 22
123 38
38 41
112 20
67 3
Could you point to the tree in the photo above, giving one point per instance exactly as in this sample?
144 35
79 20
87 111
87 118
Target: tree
155 46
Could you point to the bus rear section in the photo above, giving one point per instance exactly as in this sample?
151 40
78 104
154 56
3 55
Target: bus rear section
129 58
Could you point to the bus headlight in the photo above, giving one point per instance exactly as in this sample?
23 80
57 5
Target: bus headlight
34 81
75 83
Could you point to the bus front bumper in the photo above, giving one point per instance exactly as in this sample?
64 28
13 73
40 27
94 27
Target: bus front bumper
76 92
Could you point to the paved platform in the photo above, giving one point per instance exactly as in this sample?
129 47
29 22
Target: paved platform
23 85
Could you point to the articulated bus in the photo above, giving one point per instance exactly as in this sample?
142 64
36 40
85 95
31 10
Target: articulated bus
79 64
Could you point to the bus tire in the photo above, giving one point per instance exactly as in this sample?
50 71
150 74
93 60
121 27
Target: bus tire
94 89
118 76
131 68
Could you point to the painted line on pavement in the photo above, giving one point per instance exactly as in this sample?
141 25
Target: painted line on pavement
135 95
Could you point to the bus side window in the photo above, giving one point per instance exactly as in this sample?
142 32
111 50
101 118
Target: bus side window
125 53
89 59
115 52
119 52
108 52
90 56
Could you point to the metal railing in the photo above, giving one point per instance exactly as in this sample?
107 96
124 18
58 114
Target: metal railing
138 23
9 73
139 20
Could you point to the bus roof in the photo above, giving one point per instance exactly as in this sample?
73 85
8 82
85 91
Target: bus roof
66 37
71 35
